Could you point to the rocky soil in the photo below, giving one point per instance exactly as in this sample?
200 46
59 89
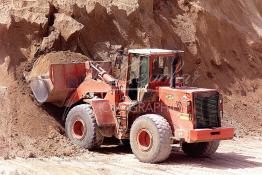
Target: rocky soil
222 42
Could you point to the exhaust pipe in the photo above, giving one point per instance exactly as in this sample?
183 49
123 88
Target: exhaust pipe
173 73
177 79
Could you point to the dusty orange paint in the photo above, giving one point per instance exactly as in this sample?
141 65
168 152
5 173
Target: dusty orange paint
75 81
103 112
202 135
183 123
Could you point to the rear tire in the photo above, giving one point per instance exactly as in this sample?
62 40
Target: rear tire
202 149
150 138
81 127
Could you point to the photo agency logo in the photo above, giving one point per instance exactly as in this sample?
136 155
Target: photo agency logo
138 78
138 73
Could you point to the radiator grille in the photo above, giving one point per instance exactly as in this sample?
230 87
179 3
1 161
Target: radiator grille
207 112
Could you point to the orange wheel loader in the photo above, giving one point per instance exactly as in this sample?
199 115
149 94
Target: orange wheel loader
140 99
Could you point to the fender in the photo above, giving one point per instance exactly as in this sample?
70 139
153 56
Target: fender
104 116
88 85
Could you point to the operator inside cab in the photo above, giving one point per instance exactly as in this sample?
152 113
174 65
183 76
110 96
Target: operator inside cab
147 73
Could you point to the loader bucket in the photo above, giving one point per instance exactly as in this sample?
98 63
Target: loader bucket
41 88
59 83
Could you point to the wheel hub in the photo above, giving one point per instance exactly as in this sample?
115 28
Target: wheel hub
78 129
144 139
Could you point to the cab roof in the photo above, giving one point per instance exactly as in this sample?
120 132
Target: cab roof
153 51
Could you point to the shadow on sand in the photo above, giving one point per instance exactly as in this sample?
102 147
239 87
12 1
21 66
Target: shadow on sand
219 160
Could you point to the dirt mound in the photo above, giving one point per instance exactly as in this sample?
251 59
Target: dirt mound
41 66
28 129
244 114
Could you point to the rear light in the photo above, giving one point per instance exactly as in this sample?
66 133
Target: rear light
189 107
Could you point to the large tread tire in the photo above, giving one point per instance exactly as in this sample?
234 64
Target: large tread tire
90 135
161 134
202 149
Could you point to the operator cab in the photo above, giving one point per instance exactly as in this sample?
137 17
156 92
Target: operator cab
149 69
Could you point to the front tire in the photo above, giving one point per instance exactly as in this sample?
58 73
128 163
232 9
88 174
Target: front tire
81 127
150 138
202 149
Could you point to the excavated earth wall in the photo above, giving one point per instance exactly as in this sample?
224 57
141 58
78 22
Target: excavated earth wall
221 39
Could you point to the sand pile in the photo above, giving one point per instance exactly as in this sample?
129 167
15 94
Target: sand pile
222 42
28 129
41 66
244 114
